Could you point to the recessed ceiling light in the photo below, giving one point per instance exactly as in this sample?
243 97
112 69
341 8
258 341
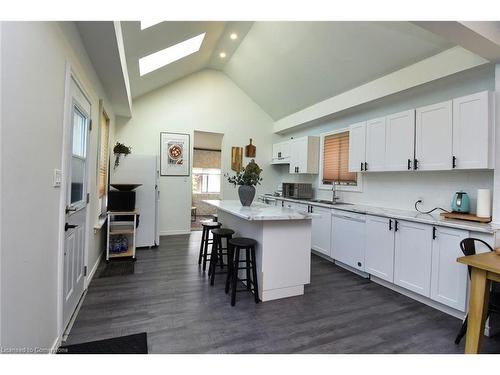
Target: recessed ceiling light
222 55
169 55
147 24
233 36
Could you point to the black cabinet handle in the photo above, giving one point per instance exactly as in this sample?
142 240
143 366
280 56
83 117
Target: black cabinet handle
454 162
409 164
433 233
359 264
361 166
415 164
279 154
366 166
390 224
396 225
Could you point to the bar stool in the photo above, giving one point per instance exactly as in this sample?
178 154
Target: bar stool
218 253
205 240
234 247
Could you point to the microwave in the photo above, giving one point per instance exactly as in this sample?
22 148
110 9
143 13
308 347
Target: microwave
297 190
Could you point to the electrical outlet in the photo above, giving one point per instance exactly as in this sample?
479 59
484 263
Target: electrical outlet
57 178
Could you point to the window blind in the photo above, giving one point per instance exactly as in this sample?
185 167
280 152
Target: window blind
336 160
103 154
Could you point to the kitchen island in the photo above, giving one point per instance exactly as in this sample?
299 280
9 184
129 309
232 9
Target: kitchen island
283 251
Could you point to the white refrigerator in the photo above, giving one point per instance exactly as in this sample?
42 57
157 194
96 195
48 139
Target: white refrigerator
142 169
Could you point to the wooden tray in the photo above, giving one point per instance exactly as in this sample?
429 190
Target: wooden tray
468 217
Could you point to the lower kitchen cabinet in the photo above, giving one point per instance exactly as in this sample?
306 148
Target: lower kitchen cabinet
379 251
412 256
322 230
348 239
448 277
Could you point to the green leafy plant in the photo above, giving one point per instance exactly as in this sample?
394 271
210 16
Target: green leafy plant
249 176
120 149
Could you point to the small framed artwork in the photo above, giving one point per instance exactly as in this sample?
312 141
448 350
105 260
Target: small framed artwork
236 158
174 154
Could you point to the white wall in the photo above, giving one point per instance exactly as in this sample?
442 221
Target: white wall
33 64
402 189
205 101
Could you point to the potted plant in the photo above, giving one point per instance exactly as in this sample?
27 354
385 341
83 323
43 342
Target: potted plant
247 178
119 150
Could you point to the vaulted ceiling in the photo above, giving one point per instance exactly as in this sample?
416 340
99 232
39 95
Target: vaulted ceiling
283 66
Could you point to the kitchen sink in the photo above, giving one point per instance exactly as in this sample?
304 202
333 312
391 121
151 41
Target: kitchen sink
328 202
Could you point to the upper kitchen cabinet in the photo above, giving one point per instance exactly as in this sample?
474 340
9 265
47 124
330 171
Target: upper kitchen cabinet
281 153
304 155
433 137
400 141
473 131
357 147
375 145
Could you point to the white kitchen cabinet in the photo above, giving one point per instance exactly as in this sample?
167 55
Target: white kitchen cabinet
448 277
281 153
321 230
348 239
379 253
304 155
375 144
357 147
400 141
473 131
412 256
433 137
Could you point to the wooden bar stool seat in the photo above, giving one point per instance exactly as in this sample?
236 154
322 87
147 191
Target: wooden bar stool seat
218 252
207 225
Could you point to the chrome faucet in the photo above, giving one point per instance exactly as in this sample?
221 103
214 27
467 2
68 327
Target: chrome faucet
334 193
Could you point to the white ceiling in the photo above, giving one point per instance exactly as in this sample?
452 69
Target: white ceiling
139 43
288 66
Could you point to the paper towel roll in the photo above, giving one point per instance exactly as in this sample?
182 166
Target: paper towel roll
483 203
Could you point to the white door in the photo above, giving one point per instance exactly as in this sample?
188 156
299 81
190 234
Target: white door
433 137
76 201
379 253
448 277
471 131
375 144
357 150
348 239
412 256
321 230
400 141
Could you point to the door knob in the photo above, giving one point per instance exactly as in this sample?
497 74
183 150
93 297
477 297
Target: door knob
69 226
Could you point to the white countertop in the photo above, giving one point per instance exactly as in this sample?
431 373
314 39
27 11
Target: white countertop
403 215
258 211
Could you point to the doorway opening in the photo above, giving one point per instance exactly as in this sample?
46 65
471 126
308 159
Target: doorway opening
207 175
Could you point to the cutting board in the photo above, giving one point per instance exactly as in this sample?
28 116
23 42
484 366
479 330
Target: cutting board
468 217
250 150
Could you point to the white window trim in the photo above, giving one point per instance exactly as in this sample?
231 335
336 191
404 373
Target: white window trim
359 186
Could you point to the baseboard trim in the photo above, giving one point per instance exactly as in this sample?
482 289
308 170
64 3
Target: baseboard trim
90 276
174 232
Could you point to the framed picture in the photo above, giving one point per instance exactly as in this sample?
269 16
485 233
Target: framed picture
174 154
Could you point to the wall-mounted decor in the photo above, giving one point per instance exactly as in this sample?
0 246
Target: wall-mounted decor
250 150
236 158
174 154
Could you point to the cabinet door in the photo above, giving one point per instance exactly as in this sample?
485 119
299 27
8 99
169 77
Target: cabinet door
298 155
448 277
322 230
375 144
276 150
379 253
348 239
400 141
471 131
412 256
285 150
357 141
434 135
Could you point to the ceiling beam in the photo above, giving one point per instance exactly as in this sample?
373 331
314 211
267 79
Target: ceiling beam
482 38
443 64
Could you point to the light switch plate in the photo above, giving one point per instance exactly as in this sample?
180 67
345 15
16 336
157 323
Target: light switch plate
57 178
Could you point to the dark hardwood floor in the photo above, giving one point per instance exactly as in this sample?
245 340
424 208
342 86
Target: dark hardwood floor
170 298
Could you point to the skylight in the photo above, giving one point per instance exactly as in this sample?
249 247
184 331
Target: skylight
168 55
147 24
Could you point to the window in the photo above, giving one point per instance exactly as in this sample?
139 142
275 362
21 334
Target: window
206 180
78 157
335 160
103 162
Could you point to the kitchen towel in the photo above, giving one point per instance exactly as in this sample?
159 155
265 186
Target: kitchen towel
483 203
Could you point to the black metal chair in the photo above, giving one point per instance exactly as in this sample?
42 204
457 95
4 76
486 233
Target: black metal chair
218 251
206 240
468 247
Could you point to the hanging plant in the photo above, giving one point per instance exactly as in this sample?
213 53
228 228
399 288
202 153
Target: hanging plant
120 149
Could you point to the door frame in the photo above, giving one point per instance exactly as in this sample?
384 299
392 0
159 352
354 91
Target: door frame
67 115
